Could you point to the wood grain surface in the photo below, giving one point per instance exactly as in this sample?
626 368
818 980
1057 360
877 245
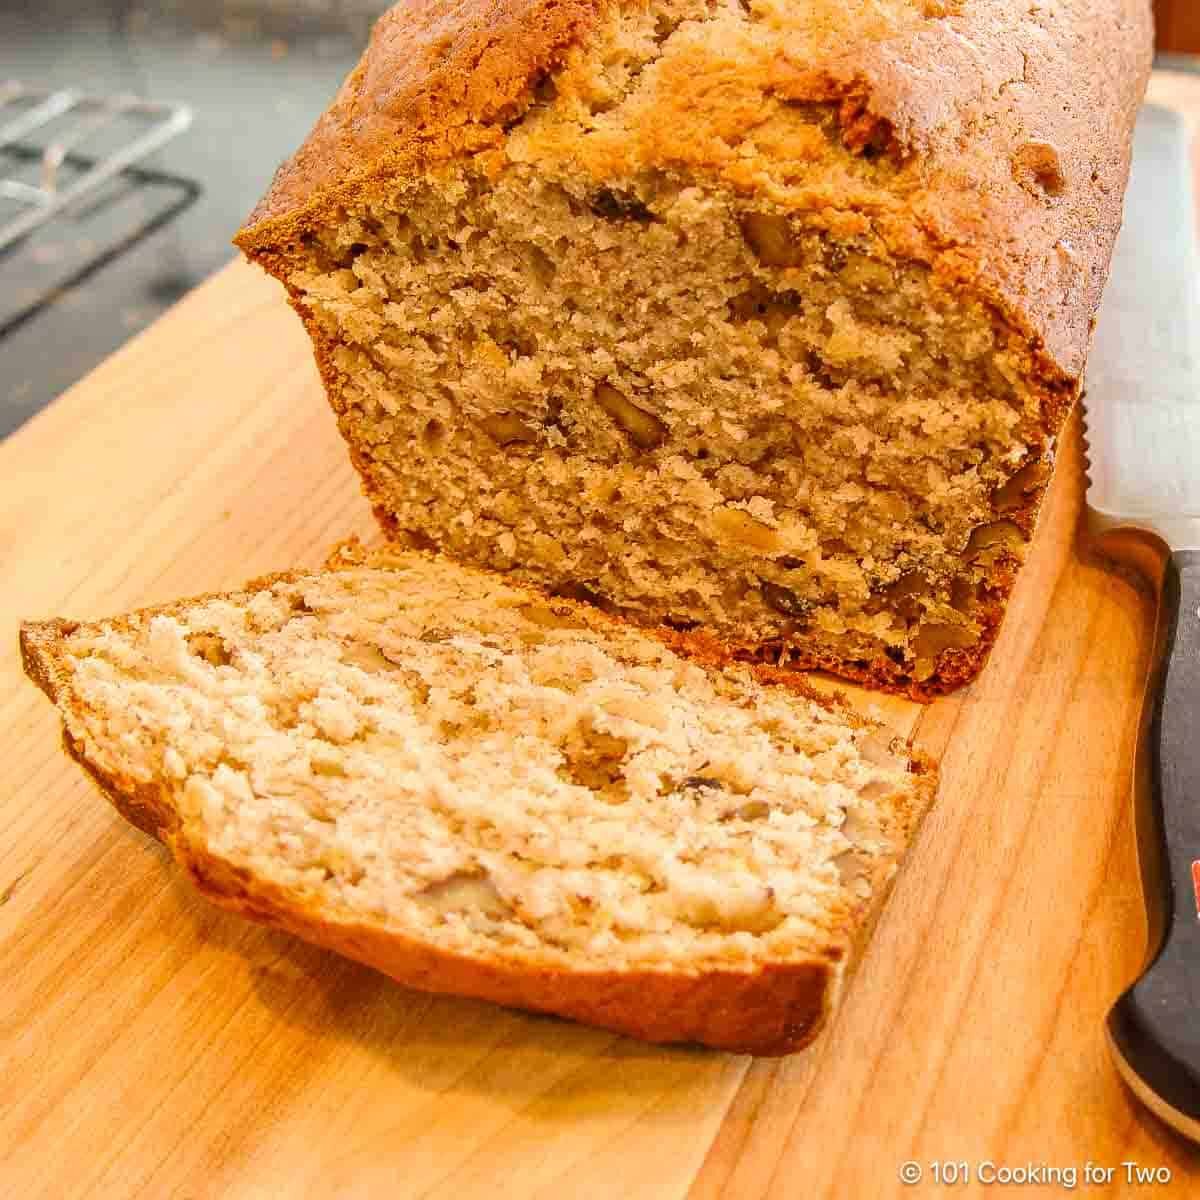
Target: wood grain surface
152 1046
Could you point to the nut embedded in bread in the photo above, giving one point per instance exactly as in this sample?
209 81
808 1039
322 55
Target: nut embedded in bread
757 318
482 791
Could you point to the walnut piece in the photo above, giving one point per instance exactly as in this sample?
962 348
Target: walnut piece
645 430
936 636
868 273
856 870
773 309
210 647
614 205
1004 534
753 810
550 616
595 760
1037 166
962 594
369 658
906 594
463 891
784 600
739 526
753 912
770 237
1016 492
882 748
505 428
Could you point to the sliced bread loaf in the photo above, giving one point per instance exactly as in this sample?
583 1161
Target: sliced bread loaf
755 317
481 791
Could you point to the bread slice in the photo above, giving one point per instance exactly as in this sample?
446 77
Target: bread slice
755 317
482 791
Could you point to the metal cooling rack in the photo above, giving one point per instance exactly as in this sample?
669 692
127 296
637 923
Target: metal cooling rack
27 112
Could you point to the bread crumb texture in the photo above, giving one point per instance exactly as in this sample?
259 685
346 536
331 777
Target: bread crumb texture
437 754
755 319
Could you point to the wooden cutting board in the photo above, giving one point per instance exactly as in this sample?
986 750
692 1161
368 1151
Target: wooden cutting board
152 1046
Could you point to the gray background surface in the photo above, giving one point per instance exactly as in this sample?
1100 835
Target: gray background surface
257 75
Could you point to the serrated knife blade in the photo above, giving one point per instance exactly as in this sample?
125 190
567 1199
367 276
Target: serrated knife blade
1143 377
1142 409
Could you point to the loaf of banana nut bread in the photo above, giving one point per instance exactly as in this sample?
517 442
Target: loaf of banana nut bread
753 319
481 791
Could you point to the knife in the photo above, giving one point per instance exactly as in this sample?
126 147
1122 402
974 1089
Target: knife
1142 413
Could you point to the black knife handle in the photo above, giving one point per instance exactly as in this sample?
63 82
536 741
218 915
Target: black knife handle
1155 1026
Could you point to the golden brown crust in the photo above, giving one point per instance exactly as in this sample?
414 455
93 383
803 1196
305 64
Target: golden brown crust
438 79
1022 117
775 1009
1018 117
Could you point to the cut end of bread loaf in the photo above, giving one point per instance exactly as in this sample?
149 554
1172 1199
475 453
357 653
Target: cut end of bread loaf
729 324
691 411
480 790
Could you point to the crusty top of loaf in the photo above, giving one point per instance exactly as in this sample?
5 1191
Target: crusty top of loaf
1006 125
439 77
